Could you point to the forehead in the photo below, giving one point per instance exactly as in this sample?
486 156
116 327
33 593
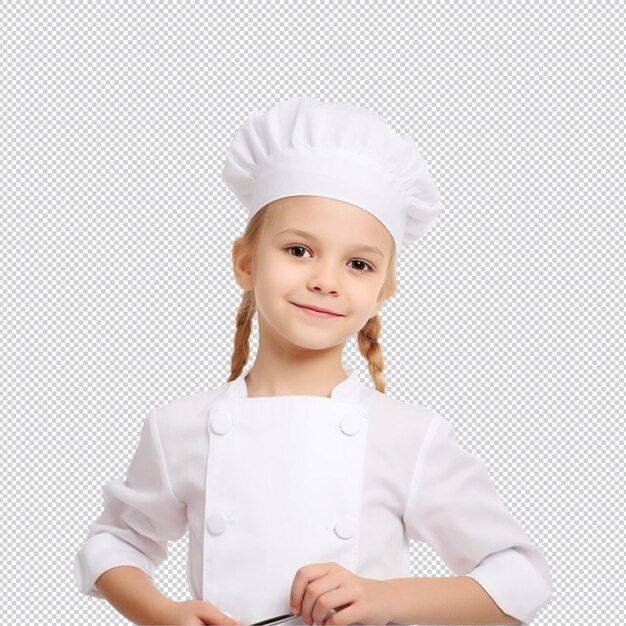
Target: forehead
330 219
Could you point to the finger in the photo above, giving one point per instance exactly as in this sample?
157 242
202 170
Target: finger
330 602
348 615
314 592
304 576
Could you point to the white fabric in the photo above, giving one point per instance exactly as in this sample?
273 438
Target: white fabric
306 147
267 485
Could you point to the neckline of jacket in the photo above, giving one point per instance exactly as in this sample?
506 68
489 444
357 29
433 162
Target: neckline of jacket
345 391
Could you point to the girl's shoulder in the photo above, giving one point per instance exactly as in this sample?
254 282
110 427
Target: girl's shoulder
382 404
399 418
187 413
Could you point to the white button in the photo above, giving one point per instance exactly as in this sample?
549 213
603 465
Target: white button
220 421
217 523
345 527
351 424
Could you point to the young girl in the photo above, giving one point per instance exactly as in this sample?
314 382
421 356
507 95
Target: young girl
300 487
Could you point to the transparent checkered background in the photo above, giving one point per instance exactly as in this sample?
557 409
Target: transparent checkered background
117 293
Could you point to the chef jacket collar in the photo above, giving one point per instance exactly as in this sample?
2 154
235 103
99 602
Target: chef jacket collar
346 391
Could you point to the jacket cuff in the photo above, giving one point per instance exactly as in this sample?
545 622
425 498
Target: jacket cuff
493 573
102 552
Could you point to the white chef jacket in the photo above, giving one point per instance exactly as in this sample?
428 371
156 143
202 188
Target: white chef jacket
265 485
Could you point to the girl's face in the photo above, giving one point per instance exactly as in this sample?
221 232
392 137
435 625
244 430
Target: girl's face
326 265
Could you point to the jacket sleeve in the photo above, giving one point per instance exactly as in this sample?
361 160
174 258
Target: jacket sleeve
139 517
454 507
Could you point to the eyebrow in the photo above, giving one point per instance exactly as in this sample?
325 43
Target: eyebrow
302 233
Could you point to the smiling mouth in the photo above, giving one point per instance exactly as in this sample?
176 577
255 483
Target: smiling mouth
317 312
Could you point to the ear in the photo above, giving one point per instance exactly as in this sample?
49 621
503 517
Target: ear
241 265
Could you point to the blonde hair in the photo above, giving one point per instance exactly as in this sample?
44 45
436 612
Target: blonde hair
367 338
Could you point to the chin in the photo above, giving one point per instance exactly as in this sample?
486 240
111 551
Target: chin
324 343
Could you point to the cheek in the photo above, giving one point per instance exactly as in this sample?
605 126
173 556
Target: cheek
367 293
279 271
367 303
271 283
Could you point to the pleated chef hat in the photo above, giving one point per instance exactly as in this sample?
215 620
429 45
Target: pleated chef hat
306 147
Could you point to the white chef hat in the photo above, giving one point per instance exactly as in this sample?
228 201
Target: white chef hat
306 147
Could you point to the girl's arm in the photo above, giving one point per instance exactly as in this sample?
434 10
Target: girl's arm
454 507
130 591
451 600
140 516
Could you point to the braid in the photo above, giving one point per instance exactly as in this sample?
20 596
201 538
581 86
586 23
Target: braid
371 350
245 313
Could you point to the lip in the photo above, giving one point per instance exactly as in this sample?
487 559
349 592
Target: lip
316 312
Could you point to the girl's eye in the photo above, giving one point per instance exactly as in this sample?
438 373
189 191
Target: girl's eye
290 248
367 265
364 271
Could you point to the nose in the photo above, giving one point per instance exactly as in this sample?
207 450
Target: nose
323 278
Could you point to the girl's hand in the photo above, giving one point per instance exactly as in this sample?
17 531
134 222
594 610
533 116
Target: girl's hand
328 594
195 612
